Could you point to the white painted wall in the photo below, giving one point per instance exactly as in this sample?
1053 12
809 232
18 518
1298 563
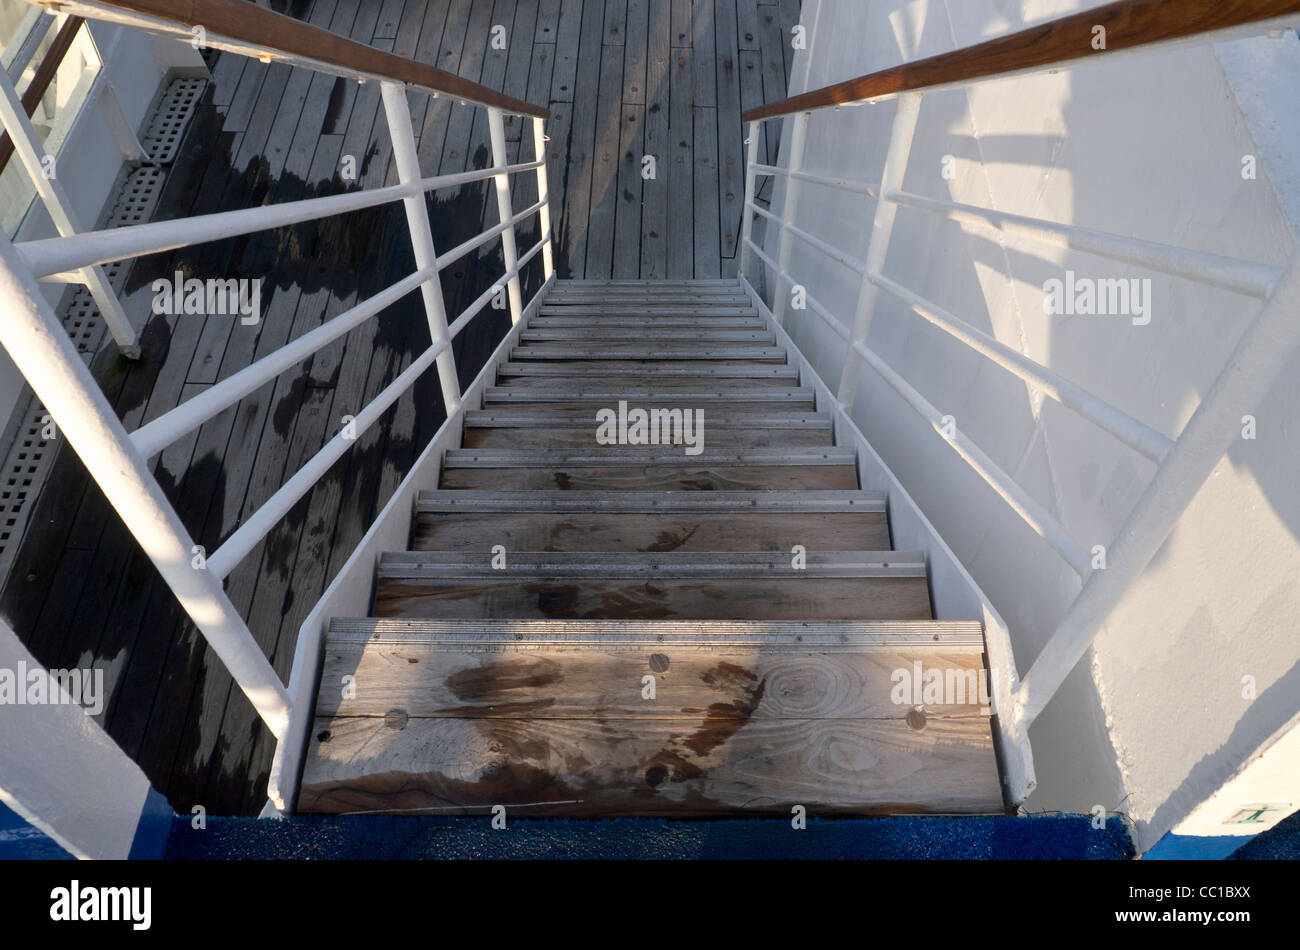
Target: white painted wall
1154 720
61 772
135 63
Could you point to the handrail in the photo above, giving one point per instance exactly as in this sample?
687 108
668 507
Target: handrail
1128 24
41 79
240 27
1184 462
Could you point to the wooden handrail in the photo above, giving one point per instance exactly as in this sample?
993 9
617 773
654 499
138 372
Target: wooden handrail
241 27
1128 23
41 79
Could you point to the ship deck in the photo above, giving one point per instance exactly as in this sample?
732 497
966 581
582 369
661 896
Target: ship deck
623 78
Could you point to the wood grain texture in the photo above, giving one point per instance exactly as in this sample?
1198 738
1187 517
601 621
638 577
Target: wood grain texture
680 768
583 597
1128 24
730 531
431 681
655 478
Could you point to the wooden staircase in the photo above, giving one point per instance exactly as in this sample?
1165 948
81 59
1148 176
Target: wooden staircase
596 630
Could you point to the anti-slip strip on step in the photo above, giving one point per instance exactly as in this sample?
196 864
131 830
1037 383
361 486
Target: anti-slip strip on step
716 565
494 636
694 502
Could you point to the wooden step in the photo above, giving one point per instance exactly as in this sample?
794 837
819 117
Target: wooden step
686 585
703 286
649 521
668 476
648 311
640 321
549 718
582 438
720 392
738 418
680 335
642 351
649 371
637 456
660 384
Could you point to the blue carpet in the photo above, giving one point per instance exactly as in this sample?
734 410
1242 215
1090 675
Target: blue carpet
384 837
1279 843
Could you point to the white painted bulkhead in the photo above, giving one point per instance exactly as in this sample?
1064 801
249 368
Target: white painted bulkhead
135 64
1199 667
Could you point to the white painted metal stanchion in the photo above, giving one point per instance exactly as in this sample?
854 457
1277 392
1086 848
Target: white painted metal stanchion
882 227
509 252
790 208
1264 351
543 196
37 342
417 219
28 148
751 190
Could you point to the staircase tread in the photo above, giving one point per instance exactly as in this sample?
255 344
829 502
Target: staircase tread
795 501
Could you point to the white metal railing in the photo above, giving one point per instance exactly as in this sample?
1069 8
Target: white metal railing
118 460
1183 463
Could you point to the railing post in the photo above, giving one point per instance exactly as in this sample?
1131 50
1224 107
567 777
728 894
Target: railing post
882 228
789 208
417 219
751 189
544 196
509 252
28 148
1264 351
37 343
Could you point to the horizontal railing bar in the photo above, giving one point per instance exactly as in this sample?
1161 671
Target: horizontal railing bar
154 436
456 253
1033 514
247 536
481 301
1129 25
249 30
841 184
62 256
1136 435
763 256
815 242
1043 524
1246 277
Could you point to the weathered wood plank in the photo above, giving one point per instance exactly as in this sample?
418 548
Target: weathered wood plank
762 598
695 767
697 531
429 680
655 478
733 440
680 170
605 165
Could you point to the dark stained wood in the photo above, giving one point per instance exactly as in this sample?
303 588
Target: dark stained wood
677 531
1128 24
235 24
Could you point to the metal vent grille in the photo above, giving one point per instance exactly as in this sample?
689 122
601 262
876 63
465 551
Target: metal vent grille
168 123
29 457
